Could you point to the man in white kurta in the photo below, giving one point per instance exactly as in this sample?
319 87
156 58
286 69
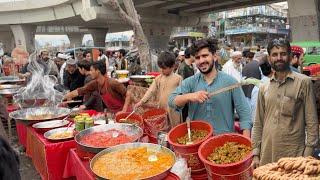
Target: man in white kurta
233 67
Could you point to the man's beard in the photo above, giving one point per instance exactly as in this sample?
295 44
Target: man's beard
285 66
46 59
208 70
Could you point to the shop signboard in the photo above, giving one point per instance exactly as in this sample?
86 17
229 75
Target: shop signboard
180 34
255 30
236 31
188 34
196 34
283 31
273 31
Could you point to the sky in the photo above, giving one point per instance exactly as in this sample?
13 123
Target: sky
57 40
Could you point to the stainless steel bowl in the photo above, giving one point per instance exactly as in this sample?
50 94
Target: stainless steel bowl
130 129
150 146
10 79
9 86
9 91
53 131
48 125
57 113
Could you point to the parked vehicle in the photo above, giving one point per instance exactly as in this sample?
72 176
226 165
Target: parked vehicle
311 51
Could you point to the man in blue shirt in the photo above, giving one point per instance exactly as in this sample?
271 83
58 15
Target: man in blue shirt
219 109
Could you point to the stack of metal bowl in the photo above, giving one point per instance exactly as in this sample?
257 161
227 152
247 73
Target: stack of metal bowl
9 89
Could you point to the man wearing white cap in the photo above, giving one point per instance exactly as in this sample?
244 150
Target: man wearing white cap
179 60
62 58
44 64
233 67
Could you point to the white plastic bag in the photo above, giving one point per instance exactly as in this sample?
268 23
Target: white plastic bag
180 168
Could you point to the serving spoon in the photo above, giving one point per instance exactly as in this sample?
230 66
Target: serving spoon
189 132
125 119
153 157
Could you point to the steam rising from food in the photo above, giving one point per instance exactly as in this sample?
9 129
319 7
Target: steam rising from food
40 89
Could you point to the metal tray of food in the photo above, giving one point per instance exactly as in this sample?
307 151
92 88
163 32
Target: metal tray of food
59 134
150 147
40 113
131 130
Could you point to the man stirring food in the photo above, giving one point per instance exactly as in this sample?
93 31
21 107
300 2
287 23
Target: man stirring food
112 92
194 91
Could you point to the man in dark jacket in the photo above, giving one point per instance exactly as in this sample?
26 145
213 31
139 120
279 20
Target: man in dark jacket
251 70
72 78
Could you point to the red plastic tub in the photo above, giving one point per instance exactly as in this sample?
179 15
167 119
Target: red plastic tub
172 176
190 152
203 176
235 171
134 117
155 74
155 120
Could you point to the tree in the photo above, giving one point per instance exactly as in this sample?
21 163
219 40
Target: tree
131 17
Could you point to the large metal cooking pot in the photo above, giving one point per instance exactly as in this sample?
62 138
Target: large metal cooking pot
55 113
150 146
28 101
130 129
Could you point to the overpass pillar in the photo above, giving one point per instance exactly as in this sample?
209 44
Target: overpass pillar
24 36
158 35
99 36
7 41
75 39
304 20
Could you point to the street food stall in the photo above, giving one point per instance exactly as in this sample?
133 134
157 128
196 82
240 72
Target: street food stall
65 143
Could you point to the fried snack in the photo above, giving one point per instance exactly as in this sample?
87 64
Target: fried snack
61 135
230 152
290 169
196 135
130 121
38 116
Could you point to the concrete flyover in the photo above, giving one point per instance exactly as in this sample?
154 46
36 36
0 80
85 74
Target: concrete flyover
22 19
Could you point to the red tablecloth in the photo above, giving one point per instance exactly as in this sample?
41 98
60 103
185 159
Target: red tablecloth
22 133
76 167
49 158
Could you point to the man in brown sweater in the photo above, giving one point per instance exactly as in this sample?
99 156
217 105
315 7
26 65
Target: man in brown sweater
112 92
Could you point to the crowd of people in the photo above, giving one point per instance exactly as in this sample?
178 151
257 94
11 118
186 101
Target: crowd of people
280 116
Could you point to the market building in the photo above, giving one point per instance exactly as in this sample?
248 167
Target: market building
255 25
183 37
